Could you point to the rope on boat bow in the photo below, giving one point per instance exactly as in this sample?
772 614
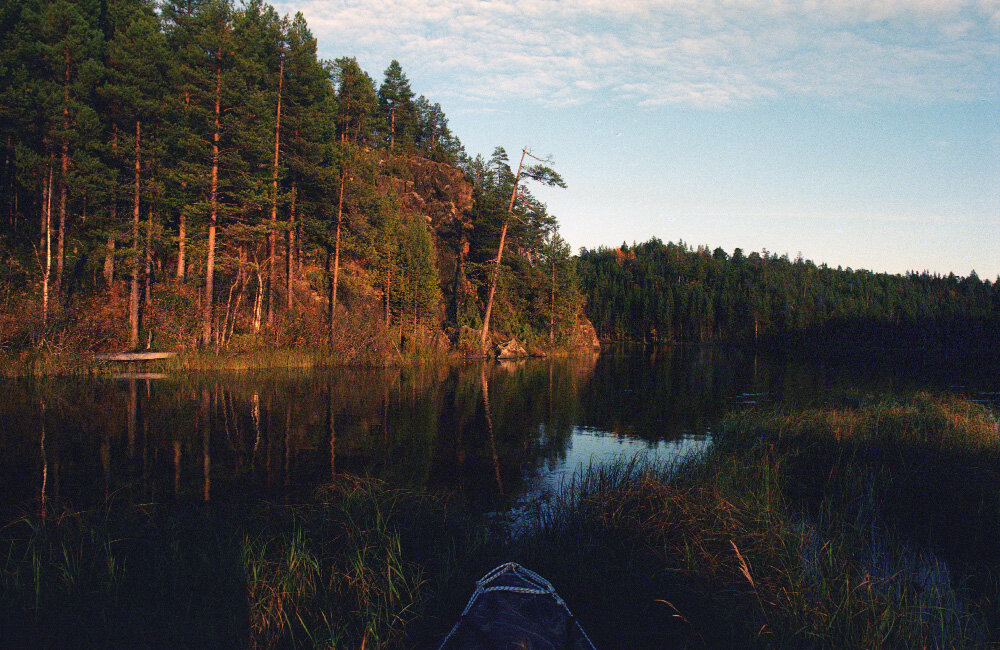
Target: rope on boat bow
541 587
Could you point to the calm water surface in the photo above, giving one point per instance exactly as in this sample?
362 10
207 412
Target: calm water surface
498 434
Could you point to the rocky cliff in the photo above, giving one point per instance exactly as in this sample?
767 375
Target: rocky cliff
442 194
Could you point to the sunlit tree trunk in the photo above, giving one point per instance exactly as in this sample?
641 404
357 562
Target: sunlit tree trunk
133 300
329 273
336 255
272 281
388 286
552 306
109 255
258 301
182 223
64 163
206 317
290 251
181 243
147 274
47 209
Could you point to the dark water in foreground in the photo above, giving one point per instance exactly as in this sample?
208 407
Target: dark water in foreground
496 433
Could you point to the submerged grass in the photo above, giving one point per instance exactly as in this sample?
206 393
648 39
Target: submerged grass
855 523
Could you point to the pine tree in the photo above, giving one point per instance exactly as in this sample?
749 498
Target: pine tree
61 48
356 110
418 292
184 103
310 141
433 135
564 299
136 61
260 43
538 172
388 244
397 113
215 41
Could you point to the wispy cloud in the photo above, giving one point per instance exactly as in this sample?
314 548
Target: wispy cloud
692 52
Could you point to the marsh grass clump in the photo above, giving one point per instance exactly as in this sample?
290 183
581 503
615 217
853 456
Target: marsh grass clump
904 494
348 567
927 467
115 576
840 525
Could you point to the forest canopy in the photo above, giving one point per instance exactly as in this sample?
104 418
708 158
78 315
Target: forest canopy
672 292
190 173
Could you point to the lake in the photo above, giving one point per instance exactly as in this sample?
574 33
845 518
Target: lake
496 434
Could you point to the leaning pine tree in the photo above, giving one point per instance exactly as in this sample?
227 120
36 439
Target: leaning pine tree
541 173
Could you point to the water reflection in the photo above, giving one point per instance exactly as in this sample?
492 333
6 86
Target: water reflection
490 432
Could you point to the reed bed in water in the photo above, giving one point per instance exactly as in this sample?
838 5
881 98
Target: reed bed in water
351 565
857 523
854 523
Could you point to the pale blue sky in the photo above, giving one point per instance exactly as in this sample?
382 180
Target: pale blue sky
862 134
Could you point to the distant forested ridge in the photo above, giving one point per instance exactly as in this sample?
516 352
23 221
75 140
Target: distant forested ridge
672 292
189 173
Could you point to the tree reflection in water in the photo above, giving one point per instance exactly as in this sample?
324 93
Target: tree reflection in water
483 431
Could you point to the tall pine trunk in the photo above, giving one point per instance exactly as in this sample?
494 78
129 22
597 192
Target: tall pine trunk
206 316
64 163
552 306
329 273
272 280
496 264
388 286
147 274
47 208
44 213
109 255
182 223
61 238
290 250
181 243
133 296
336 254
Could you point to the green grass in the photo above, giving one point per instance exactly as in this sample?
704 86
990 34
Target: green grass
41 362
854 523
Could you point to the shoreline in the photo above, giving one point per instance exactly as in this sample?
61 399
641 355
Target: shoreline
35 363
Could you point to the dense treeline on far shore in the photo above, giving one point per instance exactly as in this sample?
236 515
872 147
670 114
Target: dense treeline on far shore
188 173
671 292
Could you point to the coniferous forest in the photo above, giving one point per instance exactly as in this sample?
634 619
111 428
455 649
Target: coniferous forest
672 292
189 173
